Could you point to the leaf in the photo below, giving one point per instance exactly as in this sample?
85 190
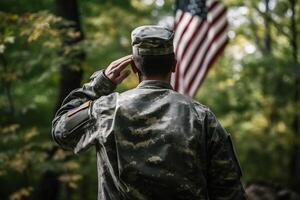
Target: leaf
21 193
9 39
61 154
2 48
71 179
3 172
12 128
18 162
30 134
72 165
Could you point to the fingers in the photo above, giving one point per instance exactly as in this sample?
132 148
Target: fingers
122 76
123 58
121 66
115 70
120 60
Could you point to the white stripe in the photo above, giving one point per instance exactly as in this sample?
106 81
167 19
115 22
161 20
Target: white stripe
181 25
212 51
173 79
193 46
182 81
213 13
187 36
181 88
209 3
217 26
198 38
178 15
184 61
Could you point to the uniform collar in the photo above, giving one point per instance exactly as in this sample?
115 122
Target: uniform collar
155 84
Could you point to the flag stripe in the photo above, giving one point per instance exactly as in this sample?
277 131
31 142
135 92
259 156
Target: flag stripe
199 80
202 45
198 42
193 73
212 4
200 35
179 15
192 38
186 38
197 27
180 27
184 32
177 78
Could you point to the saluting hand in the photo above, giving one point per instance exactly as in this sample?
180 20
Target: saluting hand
115 70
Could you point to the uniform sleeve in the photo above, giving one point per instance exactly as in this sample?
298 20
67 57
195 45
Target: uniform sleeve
224 171
73 125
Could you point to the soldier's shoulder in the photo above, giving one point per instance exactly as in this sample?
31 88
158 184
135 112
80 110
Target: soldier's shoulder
108 101
196 105
204 110
200 106
130 94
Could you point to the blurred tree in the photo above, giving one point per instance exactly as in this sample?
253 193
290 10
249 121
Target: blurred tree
71 71
295 155
71 74
22 73
255 81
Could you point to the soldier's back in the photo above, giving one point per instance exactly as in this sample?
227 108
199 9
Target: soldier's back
160 143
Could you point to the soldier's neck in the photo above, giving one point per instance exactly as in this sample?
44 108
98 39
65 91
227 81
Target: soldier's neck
156 77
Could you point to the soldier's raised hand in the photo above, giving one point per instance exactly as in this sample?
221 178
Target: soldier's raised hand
115 71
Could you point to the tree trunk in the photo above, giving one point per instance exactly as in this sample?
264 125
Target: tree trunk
295 156
70 76
267 37
70 79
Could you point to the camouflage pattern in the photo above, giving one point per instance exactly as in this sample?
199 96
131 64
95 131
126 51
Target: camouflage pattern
151 143
152 40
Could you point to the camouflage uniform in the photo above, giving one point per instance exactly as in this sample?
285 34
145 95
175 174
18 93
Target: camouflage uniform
151 142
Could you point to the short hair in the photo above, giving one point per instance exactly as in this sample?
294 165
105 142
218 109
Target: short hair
150 65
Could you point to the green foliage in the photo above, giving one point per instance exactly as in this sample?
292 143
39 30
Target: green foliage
29 62
253 91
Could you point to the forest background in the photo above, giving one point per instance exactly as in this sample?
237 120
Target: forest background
49 47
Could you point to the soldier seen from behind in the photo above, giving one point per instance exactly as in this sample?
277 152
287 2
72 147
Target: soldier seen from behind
152 143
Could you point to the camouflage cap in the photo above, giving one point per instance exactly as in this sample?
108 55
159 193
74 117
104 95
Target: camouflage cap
152 40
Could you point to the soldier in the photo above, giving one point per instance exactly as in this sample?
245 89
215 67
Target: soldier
151 142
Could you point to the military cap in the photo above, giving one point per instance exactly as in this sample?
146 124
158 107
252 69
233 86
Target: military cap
152 40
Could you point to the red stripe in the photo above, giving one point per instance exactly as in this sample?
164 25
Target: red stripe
183 32
195 53
202 41
222 30
192 38
211 62
214 4
176 87
188 42
221 13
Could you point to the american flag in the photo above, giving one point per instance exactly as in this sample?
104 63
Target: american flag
200 37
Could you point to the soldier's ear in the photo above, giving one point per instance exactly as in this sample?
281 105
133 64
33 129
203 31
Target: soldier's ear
133 67
136 70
